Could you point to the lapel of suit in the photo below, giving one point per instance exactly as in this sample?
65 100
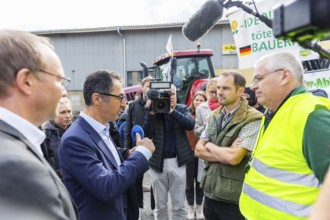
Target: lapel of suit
98 140
16 134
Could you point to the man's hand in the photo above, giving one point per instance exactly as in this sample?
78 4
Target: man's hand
171 109
209 146
131 151
237 143
147 106
146 142
232 155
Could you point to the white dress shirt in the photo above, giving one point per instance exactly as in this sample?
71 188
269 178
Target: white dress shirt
103 131
33 134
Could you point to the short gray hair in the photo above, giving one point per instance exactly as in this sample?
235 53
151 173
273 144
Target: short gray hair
283 60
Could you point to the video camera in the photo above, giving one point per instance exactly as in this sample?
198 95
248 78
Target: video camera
160 94
302 20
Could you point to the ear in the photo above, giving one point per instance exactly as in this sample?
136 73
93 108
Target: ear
286 77
97 99
241 90
25 81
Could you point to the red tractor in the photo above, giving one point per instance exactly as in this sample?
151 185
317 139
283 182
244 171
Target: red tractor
188 70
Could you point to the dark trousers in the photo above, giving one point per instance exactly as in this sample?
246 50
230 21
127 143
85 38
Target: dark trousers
217 210
152 199
192 185
139 190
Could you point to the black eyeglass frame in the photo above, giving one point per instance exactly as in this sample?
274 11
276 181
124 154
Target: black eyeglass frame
119 97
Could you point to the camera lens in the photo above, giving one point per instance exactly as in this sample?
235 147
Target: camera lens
160 105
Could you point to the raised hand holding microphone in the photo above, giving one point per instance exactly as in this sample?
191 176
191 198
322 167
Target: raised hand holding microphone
146 142
138 138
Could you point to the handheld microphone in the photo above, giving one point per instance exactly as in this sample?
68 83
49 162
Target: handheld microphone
153 94
203 20
137 129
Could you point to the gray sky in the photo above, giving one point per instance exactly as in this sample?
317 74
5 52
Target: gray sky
33 15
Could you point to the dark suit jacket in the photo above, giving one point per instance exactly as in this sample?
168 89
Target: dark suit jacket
100 189
135 116
29 187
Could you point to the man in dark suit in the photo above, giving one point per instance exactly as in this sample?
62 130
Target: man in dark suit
97 177
31 83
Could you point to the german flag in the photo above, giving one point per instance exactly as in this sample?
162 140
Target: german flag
245 50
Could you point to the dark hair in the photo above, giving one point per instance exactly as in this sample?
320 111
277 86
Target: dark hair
99 81
192 107
252 100
239 79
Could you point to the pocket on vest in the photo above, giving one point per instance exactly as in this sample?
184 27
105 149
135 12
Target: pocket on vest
219 184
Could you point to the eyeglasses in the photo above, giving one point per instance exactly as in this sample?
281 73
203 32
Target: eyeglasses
259 77
64 80
119 97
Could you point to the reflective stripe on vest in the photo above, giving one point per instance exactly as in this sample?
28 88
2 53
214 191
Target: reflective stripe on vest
279 183
277 203
285 176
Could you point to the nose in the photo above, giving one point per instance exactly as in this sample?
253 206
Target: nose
123 103
253 86
64 93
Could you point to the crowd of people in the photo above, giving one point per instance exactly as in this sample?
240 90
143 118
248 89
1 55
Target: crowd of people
237 152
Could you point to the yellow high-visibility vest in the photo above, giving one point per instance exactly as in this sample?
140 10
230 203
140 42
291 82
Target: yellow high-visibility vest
279 183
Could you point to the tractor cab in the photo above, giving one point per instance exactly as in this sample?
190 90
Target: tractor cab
188 70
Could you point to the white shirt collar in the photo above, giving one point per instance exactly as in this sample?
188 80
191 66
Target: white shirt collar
26 128
97 126
103 130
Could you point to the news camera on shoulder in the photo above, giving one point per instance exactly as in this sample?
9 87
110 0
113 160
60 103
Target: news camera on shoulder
159 94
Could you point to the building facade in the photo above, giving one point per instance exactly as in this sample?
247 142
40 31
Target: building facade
123 48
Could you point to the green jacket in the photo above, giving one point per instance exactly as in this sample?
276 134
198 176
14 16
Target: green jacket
223 182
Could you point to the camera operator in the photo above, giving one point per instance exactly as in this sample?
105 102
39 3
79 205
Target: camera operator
168 170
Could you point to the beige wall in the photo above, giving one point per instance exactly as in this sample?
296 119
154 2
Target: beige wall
77 100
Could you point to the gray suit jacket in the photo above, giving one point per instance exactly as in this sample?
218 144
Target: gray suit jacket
29 188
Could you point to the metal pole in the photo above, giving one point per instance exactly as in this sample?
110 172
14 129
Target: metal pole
124 54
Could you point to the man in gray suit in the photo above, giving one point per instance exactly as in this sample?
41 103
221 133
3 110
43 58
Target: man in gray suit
31 83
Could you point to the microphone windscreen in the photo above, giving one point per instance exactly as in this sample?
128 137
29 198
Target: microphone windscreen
137 129
203 20
152 94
